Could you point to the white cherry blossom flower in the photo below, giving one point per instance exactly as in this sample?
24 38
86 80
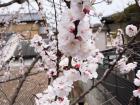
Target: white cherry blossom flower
136 93
88 71
138 74
72 75
126 68
131 30
62 86
137 81
52 72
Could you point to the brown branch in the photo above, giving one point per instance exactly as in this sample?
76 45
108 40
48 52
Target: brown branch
8 3
12 2
106 73
17 90
131 101
19 77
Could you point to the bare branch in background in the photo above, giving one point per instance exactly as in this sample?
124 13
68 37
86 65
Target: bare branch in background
22 80
19 77
7 4
12 2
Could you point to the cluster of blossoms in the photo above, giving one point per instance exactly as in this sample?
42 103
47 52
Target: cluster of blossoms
122 64
125 67
75 40
131 31
136 93
47 53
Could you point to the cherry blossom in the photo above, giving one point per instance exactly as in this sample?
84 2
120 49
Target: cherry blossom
138 74
136 92
88 71
47 97
137 81
62 86
72 75
75 40
47 54
126 67
131 30
52 72
79 59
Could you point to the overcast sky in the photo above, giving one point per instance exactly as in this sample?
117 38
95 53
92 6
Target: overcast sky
117 5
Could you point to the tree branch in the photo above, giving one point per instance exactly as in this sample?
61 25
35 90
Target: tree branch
8 3
13 99
106 73
12 2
